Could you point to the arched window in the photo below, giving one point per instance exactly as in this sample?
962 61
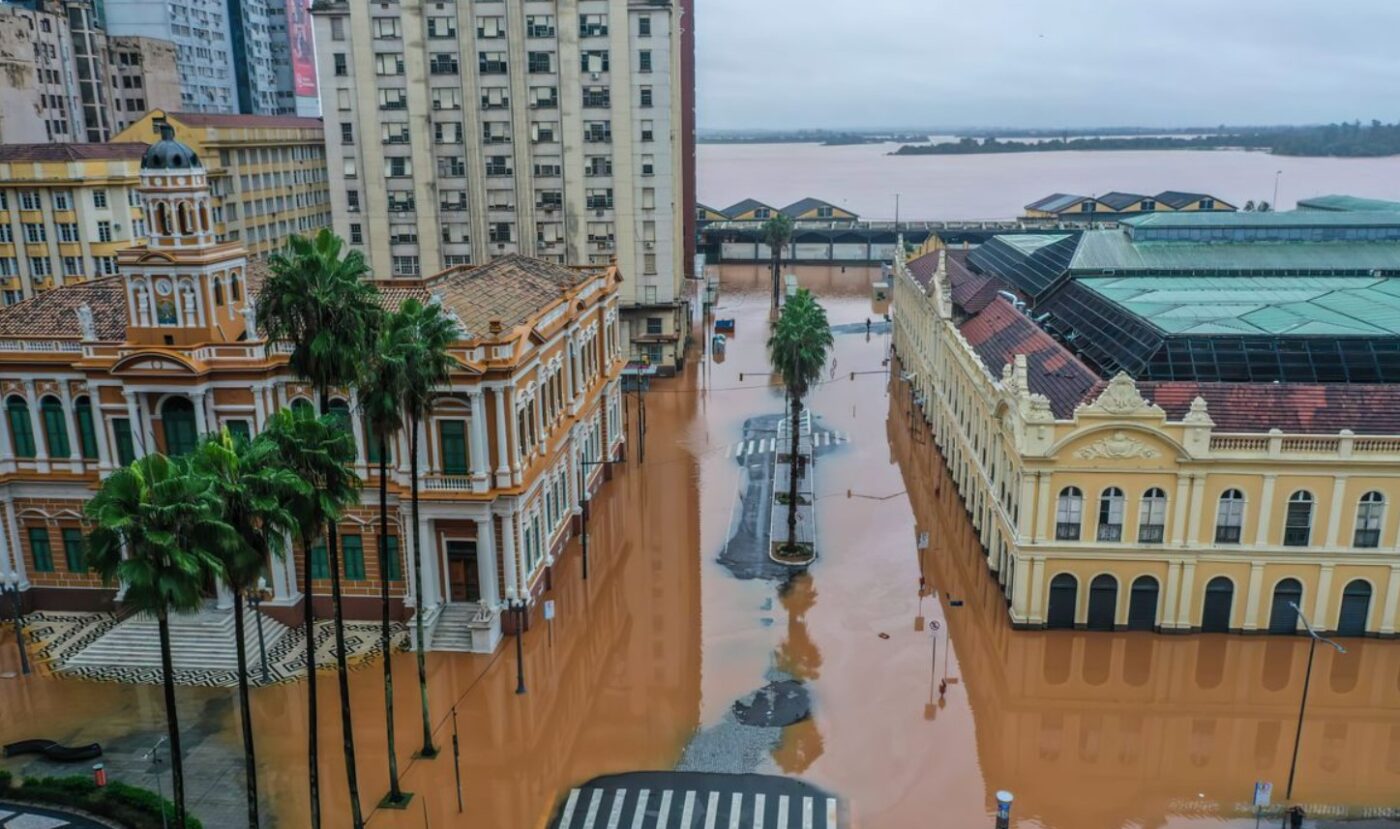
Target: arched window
55 429
1103 602
1297 525
1370 512
163 218
21 428
235 290
177 422
218 293
1142 604
1229 518
1283 615
87 428
1215 611
1356 607
186 220
1152 518
1069 514
302 406
1064 594
1111 515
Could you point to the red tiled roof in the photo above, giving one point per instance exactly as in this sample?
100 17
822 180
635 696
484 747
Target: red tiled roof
71 152
1297 408
972 291
1000 332
234 120
923 268
55 313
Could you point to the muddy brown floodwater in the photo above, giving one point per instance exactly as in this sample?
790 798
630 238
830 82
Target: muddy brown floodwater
1088 730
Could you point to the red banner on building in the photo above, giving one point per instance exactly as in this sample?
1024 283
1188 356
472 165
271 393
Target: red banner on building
303 45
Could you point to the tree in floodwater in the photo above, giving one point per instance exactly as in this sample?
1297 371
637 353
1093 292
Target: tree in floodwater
777 232
798 348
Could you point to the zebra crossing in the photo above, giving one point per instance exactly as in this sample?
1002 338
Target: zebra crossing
683 808
765 446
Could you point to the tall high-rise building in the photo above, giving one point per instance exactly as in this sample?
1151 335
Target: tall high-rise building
145 76
53 85
201 32
461 131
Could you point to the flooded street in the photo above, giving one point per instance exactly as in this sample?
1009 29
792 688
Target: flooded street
1087 729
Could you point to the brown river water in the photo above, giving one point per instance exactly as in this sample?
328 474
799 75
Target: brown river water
1087 729
865 178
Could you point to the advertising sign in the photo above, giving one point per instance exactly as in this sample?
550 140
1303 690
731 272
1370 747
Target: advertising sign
303 46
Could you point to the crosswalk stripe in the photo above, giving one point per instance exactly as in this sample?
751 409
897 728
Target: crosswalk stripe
749 450
758 811
831 813
687 810
806 813
569 806
736 804
738 449
664 811
782 811
642 809
616 817
593 809
712 810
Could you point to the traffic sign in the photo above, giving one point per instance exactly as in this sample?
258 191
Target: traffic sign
1263 793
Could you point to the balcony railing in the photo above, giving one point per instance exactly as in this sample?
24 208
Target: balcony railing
447 483
1110 532
1296 536
1150 534
1227 535
1065 531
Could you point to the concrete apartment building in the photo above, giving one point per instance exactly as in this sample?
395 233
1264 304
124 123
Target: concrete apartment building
145 75
462 132
201 32
53 84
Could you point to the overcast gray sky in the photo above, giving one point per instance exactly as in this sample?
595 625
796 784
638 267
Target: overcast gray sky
1045 63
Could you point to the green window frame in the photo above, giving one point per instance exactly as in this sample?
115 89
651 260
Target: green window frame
320 561
391 554
126 446
87 427
372 444
40 548
177 421
452 441
352 550
73 551
21 427
240 429
55 429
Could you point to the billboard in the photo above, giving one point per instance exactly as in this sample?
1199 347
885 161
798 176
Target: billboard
303 45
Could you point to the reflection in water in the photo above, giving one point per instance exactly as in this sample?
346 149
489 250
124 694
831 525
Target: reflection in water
798 654
800 746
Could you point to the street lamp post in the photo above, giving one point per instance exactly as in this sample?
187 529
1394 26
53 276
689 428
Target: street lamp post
518 607
255 597
11 587
583 506
1273 205
1307 679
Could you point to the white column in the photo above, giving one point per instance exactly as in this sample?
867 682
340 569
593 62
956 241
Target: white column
1188 580
1321 603
211 412
1180 508
1171 598
1266 505
75 438
1254 593
36 425
358 428
148 424
1044 529
223 596
1037 590
481 461
1020 602
537 409
432 565
6 561
259 409
508 548
201 419
486 562
7 447
1193 529
1392 602
133 416
1334 514
279 572
105 461
502 439
17 562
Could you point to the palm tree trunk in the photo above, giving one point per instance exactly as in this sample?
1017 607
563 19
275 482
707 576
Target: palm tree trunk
342 665
250 765
395 795
313 751
793 471
172 721
776 266
428 749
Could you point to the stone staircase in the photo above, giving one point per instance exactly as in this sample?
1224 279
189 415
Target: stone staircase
463 628
203 640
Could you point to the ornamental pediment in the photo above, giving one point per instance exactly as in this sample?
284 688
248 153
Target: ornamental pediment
154 363
1121 398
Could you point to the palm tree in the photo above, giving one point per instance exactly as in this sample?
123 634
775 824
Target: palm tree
320 451
253 490
381 399
798 348
777 232
427 366
158 532
318 301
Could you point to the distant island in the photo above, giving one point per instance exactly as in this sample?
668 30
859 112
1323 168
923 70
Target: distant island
827 138
1352 140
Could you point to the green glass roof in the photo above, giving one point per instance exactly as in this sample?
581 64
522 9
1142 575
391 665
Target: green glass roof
1304 305
1028 243
1355 203
1290 218
1114 250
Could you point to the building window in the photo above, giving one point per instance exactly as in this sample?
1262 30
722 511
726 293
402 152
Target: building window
73 550
35 232
405 265
442 27
649 134
644 60
386 27
500 232
320 562
646 97
447 98
393 99
126 448
388 63
21 428
539 25
592 25
1111 515
29 200
1229 518
443 63
342 66
347 132
536 62
352 550
452 438
40 549
104 231
62 200
55 429
337 28
594 61
1152 520
1069 514
357 236
1370 513
644 25
99 198
87 431
654 326
1297 526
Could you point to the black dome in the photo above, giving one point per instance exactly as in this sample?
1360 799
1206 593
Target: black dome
169 154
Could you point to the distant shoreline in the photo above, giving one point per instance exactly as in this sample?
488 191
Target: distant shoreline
1335 140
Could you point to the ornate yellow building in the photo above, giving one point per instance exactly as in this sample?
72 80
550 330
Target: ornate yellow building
1164 504
96 374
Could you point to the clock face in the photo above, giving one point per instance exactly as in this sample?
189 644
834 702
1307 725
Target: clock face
163 287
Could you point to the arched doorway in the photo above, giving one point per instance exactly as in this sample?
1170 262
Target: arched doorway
1142 604
1356 606
177 424
1103 602
1219 601
1282 617
1064 594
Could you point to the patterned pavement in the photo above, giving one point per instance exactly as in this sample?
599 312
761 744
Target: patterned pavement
17 816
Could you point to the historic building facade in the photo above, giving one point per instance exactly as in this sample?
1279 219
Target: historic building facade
94 375
1106 502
